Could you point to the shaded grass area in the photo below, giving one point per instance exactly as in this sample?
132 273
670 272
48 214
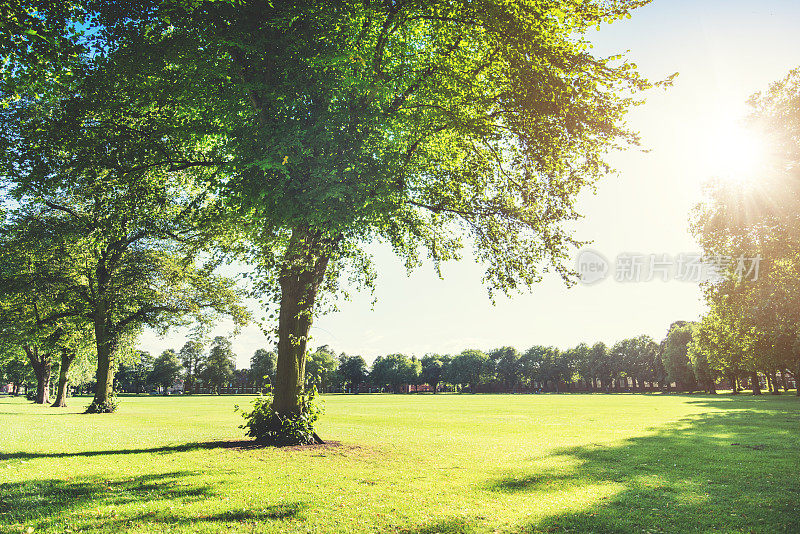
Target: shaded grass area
415 464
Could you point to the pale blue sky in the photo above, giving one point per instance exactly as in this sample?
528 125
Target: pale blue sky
724 51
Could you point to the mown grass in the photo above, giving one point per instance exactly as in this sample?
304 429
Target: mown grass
412 464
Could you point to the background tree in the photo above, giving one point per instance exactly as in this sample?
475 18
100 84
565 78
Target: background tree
219 364
676 359
112 170
166 370
75 343
321 367
702 370
433 368
468 368
262 366
507 367
394 370
191 357
134 376
353 370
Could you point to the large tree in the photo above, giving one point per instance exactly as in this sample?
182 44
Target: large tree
106 163
417 123
35 296
755 315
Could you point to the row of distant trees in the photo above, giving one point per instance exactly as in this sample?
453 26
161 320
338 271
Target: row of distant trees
633 364
200 370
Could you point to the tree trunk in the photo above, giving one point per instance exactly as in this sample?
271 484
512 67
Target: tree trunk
67 357
105 363
42 368
775 388
797 379
755 385
712 387
305 263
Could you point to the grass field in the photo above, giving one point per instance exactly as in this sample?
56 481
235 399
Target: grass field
416 464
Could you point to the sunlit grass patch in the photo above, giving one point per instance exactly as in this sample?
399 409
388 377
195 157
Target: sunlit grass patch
445 463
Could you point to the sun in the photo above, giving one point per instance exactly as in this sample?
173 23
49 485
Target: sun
734 153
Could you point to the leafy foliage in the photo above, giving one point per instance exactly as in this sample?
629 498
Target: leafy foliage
270 427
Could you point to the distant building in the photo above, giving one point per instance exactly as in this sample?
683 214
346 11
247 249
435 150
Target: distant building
177 387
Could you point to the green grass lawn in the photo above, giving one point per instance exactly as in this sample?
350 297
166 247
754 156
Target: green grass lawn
424 463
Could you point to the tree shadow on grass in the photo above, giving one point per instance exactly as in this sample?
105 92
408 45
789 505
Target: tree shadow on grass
731 471
233 444
98 503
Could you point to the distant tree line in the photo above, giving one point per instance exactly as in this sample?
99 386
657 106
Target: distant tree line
634 364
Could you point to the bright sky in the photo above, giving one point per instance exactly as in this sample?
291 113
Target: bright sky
724 50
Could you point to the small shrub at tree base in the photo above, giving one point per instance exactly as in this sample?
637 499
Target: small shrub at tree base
271 428
103 407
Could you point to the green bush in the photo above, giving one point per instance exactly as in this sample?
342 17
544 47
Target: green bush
103 407
271 428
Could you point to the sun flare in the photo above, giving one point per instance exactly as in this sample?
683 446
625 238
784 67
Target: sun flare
734 153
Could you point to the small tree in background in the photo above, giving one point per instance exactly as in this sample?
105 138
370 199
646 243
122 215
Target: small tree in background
262 367
166 370
469 368
433 370
219 364
191 358
676 358
321 367
353 370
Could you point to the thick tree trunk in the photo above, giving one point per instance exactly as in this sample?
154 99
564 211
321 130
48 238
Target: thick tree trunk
304 268
105 363
712 387
67 357
755 385
42 368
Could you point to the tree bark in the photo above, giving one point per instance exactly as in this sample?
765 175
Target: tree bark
105 363
755 384
42 368
797 379
775 388
304 267
67 357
